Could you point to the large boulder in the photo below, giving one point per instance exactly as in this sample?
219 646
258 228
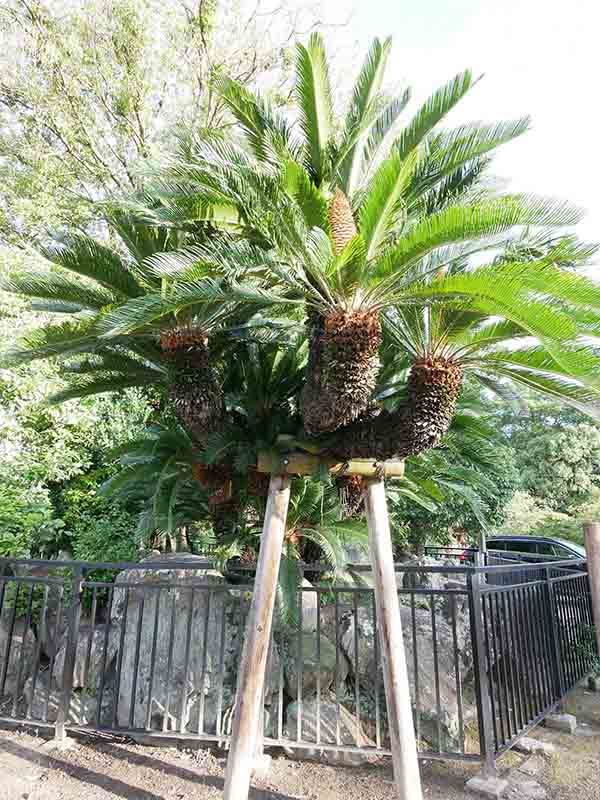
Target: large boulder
185 682
330 718
91 657
20 648
44 702
318 665
444 718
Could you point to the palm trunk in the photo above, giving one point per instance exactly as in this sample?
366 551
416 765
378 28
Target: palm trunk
194 391
419 424
342 369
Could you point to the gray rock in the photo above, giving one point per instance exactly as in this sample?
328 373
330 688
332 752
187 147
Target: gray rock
95 648
528 745
522 787
350 733
565 723
318 668
363 667
487 786
166 686
82 708
22 642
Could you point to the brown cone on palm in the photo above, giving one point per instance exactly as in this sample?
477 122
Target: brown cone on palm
434 386
343 361
194 391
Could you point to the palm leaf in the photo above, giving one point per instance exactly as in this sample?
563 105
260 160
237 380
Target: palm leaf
313 90
364 94
432 112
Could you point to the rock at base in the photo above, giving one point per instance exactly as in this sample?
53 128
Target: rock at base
565 723
351 734
318 665
21 643
528 745
487 786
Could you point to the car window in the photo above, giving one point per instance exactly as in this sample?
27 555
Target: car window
549 549
562 552
496 545
521 546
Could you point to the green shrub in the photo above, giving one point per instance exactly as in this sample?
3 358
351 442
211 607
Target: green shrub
24 513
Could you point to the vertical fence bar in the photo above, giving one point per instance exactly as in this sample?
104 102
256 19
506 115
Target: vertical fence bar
186 663
88 655
201 700
38 653
70 654
120 658
458 684
59 613
554 631
136 660
10 633
26 626
482 686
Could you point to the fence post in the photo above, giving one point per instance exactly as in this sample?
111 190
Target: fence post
554 628
591 532
482 679
70 654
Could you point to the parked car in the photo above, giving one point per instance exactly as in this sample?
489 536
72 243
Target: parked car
535 547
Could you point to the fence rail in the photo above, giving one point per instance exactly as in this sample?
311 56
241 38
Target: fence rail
152 648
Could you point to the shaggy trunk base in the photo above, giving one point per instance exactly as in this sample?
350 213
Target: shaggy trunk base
194 391
419 424
342 370
350 492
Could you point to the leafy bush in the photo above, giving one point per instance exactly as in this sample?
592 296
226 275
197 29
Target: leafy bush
24 513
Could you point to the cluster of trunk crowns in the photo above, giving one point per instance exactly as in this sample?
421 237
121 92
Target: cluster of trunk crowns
194 389
342 373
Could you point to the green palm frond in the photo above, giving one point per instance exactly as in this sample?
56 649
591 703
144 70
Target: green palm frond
380 132
474 221
85 256
54 340
267 131
385 200
364 97
432 112
313 90
59 287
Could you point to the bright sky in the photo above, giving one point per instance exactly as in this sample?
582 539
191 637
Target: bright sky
539 57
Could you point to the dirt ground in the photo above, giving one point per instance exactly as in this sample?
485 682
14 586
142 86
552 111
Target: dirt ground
102 768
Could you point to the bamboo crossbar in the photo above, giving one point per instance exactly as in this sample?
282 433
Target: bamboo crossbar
298 463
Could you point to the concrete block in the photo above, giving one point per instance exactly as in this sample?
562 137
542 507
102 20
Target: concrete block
534 765
528 745
261 766
523 787
487 786
565 723
593 683
58 745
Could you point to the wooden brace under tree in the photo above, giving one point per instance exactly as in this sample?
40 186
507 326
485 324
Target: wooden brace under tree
246 723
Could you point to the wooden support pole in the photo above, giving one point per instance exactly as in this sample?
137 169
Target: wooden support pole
395 674
247 713
591 532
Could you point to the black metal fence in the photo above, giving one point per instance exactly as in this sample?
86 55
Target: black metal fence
153 649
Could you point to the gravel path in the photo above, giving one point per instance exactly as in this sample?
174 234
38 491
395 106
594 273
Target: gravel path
102 768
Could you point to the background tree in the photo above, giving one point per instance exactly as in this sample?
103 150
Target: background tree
90 90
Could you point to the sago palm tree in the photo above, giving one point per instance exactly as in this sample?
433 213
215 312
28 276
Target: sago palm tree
355 225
